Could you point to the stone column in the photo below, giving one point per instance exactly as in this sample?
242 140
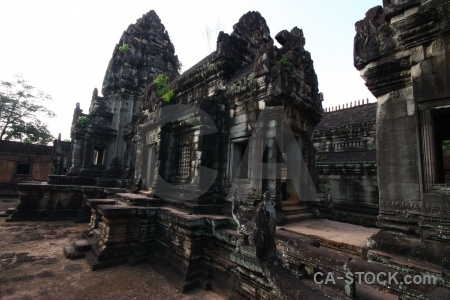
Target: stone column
272 167
406 65
77 155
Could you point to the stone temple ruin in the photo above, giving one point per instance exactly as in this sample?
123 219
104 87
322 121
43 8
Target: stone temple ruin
197 185
402 52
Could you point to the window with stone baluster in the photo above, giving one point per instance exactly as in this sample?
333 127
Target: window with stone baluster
435 140
183 160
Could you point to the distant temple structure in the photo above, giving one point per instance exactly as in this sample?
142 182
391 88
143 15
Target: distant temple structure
346 164
103 137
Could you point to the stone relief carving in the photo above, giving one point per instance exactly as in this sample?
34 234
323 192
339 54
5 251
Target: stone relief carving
365 43
405 208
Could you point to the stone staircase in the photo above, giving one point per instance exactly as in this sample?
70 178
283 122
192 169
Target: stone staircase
114 223
78 249
294 212
123 204
7 212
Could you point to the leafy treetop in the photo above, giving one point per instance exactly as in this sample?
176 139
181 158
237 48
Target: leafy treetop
21 113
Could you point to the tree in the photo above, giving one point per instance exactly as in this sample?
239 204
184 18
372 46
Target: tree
211 32
21 111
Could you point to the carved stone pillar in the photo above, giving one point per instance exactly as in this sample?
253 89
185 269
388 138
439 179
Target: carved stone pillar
403 54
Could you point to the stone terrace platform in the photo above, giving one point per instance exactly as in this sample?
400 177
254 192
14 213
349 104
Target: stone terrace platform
331 234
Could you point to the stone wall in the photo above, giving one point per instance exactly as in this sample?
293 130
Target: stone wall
346 165
402 52
21 162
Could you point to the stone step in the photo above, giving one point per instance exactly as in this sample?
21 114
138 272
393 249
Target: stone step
138 199
333 254
93 203
294 209
183 193
82 245
288 203
146 193
98 265
203 209
71 253
92 239
97 233
341 237
406 264
113 191
337 291
7 212
298 217
440 293
100 226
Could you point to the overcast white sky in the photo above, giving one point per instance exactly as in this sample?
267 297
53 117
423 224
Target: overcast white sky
63 47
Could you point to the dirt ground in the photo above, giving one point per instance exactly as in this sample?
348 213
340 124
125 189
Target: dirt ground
32 266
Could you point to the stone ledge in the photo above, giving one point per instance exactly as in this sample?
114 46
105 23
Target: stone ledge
93 203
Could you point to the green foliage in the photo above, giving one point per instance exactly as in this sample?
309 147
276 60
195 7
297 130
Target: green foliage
21 113
446 145
83 121
162 89
322 158
124 48
285 61
161 82
169 96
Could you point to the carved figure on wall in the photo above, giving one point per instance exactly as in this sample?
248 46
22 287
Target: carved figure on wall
261 230
365 42
244 226
265 226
